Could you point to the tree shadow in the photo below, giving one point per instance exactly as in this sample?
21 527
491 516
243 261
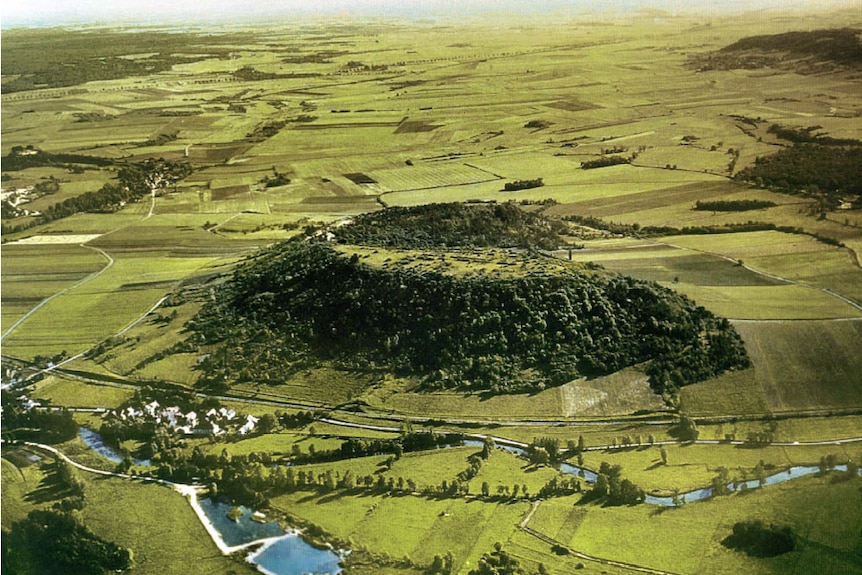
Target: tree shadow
50 489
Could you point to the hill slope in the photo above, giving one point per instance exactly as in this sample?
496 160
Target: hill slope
447 225
810 52
302 303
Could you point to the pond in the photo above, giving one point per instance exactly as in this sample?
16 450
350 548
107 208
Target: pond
95 442
241 531
292 555
281 554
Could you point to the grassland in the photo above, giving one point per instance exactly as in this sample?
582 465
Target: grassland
72 393
33 273
118 297
687 540
417 527
812 352
157 524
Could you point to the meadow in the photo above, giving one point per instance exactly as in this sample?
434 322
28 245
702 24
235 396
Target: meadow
687 539
163 532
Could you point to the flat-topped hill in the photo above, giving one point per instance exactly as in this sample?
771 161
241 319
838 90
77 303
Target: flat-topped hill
502 225
303 303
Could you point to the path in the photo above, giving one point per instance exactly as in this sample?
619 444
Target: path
630 566
55 367
90 277
827 291
191 492
152 204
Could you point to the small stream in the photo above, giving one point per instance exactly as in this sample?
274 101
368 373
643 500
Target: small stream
688 497
95 442
289 554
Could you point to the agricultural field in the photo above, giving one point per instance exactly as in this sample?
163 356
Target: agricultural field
687 540
143 193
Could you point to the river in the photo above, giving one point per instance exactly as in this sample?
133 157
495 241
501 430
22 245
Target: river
95 442
689 496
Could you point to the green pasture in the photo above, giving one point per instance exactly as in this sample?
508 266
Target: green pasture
32 273
280 443
835 270
797 365
687 540
805 364
575 186
751 244
117 297
532 551
778 302
439 105
154 522
691 467
504 469
419 527
656 261
732 393
319 385
621 393
72 393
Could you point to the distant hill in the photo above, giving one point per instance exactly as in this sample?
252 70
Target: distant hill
502 225
805 52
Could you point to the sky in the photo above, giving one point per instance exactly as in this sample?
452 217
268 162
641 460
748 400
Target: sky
49 12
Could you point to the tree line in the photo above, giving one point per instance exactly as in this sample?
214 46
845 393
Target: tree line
134 182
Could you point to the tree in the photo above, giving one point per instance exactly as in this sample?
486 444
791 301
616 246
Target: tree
488 446
663 453
686 429
266 423
602 486
497 563
539 456
486 489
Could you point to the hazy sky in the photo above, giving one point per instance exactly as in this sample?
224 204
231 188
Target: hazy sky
15 12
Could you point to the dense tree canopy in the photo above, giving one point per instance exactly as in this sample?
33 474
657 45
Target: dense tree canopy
49 542
303 302
452 225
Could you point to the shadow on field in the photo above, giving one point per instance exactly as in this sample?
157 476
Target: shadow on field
49 489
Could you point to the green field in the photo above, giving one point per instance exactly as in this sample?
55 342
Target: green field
32 273
417 527
157 524
687 540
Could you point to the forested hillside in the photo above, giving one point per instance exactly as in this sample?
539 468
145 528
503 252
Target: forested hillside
804 51
300 303
449 225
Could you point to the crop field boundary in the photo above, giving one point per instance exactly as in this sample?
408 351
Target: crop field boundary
827 291
92 276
